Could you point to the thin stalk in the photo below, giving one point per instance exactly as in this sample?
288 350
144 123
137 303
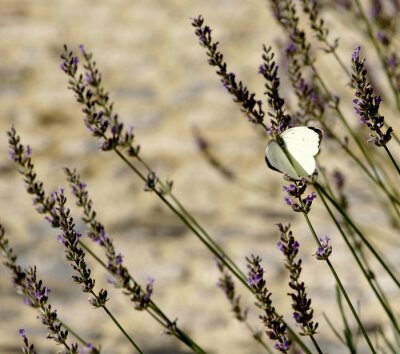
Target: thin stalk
342 289
155 311
238 274
350 343
297 339
316 344
366 272
157 314
359 233
332 49
378 52
395 202
344 67
121 329
333 329
387 342
359 143
89 251
193 220
76 335
392 159
258 338
209 244
173 328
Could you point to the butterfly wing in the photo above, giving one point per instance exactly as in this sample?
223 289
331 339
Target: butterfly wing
302 144
277 160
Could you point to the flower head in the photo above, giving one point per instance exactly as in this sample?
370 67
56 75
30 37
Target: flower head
324 250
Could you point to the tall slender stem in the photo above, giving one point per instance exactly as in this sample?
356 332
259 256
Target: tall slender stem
221 255
359 233
122 329
392 159
378 52
366 272
342 289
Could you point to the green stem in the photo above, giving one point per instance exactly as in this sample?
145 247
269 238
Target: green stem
164 321
89 251
348 335
189 216
342 289
379 52
316 344
394 201
221 256
366 272
208 242
257 337
392 158
155 312
76 335
297 339
359 233
121 329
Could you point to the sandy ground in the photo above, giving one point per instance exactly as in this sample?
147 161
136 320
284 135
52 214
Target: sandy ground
158 77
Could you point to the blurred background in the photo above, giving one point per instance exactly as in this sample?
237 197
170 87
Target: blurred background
159 79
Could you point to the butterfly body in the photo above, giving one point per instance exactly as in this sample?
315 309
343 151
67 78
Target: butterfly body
293 151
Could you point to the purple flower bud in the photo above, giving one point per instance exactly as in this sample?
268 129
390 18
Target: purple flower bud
150 280
356 53
283 347
289 189
26 301
324 250
280 246
78 235
102 235
64 66
28 151
12 155
254 279
291 48
376 8
289 201
88 78
311 197
392 62
118 259
22 333
262 70
82 186
207 30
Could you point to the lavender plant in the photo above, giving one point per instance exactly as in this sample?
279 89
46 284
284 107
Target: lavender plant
123 279
36 295
316 105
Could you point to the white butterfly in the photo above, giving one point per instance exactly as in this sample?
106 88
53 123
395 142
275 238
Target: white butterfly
293 151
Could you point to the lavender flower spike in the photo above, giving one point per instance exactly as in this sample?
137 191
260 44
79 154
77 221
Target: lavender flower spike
324 250
366 104
275 328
